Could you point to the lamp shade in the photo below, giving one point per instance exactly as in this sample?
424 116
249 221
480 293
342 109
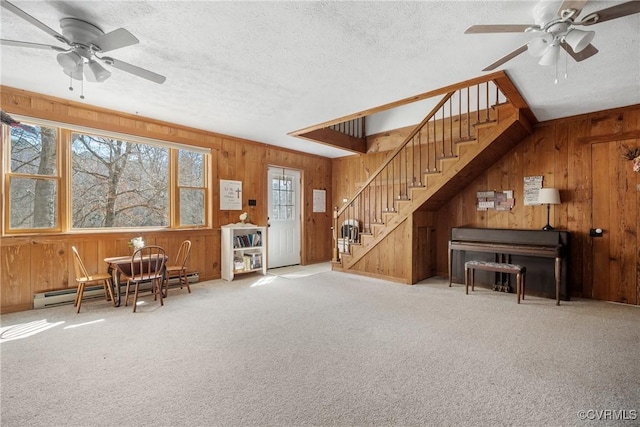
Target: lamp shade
69 61
539 45
579 39
95 72
549 196
75 73
550 56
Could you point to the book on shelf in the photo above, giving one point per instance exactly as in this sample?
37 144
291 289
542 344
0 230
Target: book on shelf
247 240
253 260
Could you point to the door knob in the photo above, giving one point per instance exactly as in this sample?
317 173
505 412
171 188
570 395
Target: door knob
596 232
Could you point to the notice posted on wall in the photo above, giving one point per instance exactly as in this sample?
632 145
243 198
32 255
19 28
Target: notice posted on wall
230 195
498 200
319 200
532 186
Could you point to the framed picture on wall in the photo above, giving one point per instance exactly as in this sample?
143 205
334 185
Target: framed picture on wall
230 195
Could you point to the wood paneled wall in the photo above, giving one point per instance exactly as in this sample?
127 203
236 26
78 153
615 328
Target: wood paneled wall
38 263
560 151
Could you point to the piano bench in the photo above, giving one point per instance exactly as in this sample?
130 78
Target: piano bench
498 267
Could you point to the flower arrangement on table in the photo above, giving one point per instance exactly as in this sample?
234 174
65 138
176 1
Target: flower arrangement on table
633 154
244 217
136 243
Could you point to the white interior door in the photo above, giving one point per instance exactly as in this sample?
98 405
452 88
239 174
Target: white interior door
283 244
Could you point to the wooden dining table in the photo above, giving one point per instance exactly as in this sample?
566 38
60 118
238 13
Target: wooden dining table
121 265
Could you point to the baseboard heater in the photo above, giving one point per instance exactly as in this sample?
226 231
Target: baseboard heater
68 296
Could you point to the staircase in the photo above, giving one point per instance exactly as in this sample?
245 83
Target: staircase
470 128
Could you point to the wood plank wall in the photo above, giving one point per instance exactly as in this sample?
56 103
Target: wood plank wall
560 151
39 263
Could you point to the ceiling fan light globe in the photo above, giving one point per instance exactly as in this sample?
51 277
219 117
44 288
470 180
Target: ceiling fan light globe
74 74
579 40
545 11
539 45
69 61
95 72
550 57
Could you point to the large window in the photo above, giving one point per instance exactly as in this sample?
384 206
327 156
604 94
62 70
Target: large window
116 183
113 181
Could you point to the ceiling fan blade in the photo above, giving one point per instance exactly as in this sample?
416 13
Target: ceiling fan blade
24 15
506 58
576 5
31 45
140 72
613 12
587 52
508 28
115 40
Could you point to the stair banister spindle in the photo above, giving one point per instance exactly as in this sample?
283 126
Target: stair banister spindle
392 170
435 144
386 198
442 120
420 156
468 113
450 128
413 161
335 235
459 114
428 149
369 204
487 101
477 103
398 176
375 200
406 171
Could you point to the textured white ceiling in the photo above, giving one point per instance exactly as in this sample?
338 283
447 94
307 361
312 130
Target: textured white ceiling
259 70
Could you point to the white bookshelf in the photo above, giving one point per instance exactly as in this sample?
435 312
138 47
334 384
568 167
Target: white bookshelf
243 250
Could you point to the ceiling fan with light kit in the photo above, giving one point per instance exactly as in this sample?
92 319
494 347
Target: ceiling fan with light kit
86 45
555 28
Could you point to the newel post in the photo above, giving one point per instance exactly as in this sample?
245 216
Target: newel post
335 235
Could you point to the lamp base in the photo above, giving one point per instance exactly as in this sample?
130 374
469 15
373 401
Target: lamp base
547 227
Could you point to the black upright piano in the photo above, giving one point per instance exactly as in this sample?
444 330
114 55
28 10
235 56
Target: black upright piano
544 253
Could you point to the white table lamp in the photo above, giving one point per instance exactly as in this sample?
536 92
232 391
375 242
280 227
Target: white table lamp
548 196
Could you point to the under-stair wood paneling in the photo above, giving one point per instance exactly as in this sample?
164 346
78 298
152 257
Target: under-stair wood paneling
392 258
43 262
424 254
561 151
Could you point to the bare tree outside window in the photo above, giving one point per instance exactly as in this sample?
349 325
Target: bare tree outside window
34 177
191 187
117 183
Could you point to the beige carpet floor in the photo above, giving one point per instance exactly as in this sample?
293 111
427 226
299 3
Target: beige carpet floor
323 349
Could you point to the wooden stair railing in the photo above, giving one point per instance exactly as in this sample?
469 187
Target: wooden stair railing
454 119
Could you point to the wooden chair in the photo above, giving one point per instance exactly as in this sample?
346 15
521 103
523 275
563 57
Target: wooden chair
83 277
179 269
147 266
